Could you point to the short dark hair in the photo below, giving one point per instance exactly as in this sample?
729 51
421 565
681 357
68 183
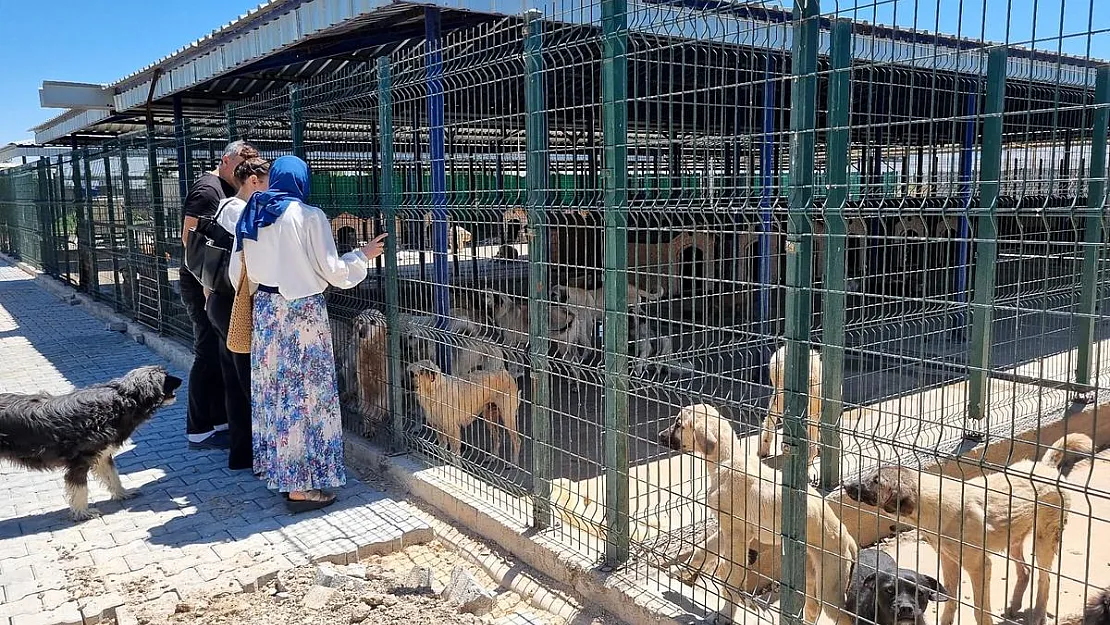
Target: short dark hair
253 166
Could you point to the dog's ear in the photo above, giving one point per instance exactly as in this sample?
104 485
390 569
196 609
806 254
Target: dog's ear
706 439
937 591
905 494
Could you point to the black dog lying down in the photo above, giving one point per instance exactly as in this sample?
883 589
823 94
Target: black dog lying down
80 431
880 593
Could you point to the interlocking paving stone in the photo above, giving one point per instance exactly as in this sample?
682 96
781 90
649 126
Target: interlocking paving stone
193 521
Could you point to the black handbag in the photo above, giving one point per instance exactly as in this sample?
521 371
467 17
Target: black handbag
208 253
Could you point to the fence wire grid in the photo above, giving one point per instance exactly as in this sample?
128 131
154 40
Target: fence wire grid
738 302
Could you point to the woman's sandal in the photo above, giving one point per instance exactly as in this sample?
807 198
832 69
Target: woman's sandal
314 501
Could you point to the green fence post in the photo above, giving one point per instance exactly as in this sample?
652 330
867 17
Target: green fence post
799 305
63 210
1092 231
614 98
835 298
110 197
986 236
81 218
232 123
296 120
132 290
158 211
538 179
42 214
390 202
90 225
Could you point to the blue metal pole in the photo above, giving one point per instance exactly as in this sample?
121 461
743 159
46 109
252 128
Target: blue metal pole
967 159
766 164
441 297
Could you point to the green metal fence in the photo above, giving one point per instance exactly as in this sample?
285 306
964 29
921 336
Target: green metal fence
620 209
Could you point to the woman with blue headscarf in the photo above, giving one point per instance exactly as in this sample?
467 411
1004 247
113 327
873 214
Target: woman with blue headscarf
290 260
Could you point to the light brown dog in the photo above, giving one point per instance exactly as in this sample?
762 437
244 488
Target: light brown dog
451 403
965 521
370 364
777 367
744 496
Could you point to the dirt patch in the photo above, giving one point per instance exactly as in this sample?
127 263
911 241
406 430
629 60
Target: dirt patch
384 597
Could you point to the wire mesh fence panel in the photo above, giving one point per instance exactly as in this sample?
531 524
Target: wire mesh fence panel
726 297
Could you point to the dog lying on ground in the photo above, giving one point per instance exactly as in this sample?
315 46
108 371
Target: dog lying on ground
994 513
451 403
744 496
81 430
777 367
880 593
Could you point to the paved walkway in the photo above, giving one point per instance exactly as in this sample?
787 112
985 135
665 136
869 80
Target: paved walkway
194 527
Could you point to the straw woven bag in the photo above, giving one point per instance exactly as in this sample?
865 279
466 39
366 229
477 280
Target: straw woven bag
242 313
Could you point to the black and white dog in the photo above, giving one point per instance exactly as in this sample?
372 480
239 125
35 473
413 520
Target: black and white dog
79 431
880 593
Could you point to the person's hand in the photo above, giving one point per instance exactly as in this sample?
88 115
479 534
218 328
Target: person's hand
375 248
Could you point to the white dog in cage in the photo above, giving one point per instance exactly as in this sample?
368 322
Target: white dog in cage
777 367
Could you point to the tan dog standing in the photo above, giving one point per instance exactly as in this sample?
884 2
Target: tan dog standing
370 364
966 521
777 367
452 403
744 496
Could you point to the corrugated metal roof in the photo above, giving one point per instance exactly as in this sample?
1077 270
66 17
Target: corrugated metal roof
279 25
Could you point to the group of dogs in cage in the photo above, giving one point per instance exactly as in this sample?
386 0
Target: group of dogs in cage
994 513
486 338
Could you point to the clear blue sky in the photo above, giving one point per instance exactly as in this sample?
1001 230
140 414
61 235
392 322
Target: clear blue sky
98 41
104 40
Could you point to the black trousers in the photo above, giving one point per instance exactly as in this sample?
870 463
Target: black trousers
206 384
236 370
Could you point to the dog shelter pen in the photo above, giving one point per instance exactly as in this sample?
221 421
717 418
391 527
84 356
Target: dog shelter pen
925 210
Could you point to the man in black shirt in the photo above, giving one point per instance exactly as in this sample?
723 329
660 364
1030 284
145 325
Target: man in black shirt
207 416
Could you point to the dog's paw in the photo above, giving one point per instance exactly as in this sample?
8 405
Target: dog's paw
124 495
84 515
684 574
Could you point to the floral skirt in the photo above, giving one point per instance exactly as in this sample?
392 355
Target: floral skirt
298 431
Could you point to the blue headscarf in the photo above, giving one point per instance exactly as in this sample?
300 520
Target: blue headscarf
289 182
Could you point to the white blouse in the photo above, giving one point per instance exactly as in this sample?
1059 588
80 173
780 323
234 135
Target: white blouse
297 255
227 215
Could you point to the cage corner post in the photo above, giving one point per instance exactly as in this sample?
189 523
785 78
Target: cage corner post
986 237
389 215
835 296
43 216
1093 236
433 78
799 304
537 180
614 102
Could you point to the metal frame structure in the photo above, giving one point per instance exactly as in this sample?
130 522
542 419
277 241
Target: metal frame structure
925 211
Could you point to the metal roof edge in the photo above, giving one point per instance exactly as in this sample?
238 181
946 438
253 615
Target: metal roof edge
74 121
303 20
